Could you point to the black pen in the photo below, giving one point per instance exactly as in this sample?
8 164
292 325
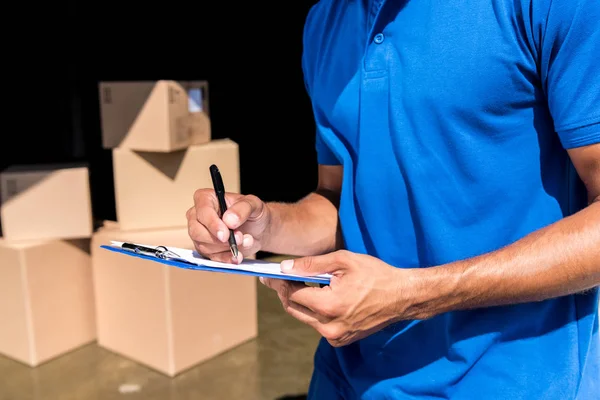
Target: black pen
220 192
160 251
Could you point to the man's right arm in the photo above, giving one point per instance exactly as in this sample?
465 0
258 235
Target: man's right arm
309 226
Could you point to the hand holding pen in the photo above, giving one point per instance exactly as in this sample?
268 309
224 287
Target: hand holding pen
221 223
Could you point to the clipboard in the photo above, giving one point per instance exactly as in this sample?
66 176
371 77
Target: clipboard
190 259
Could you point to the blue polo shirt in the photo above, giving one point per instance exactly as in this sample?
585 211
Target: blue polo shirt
452 120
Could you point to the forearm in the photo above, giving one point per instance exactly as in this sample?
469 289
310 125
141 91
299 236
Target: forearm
307 227
560 259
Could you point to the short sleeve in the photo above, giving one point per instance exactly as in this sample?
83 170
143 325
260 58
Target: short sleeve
570 69
324 154
309 57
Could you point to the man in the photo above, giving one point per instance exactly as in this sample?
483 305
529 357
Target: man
452 139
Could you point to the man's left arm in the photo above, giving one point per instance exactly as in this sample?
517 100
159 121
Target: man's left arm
366 294
560 259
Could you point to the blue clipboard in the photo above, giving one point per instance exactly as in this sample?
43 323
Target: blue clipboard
199 267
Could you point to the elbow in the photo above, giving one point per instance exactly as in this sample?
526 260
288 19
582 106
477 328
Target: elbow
330 195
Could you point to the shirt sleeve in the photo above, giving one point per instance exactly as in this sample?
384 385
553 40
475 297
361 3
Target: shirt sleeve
309 57
570 69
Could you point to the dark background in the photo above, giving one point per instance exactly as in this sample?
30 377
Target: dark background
250 53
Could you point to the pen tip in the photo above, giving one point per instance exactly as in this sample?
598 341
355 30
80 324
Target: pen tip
234 251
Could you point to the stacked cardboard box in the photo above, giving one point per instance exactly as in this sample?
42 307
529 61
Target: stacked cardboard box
46 298
165 317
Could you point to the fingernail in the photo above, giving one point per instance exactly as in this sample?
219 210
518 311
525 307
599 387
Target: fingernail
231 219
287 265
221 236
239 238
248 240
262 280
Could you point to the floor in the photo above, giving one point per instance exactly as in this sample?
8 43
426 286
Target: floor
276 365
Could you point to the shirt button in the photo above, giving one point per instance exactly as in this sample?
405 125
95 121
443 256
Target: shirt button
378 38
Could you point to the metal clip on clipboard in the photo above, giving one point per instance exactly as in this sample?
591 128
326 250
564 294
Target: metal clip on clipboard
159 252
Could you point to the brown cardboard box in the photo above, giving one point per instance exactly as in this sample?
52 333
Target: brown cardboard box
167 318
46 202
161 116
154 190
46 299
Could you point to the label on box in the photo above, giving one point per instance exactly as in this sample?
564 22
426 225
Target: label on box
195 96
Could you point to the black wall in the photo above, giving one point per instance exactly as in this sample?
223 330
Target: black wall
249 53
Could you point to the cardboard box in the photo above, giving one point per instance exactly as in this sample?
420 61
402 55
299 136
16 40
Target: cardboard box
46 202
161 116
155 190
46 299
164 317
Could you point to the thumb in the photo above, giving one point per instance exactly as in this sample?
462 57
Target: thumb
311 265
244 208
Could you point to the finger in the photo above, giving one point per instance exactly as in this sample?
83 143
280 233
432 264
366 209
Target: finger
273 283
319 300
205 242
239 237
247 241
225 257
207 214
246 208
239 259
200 234
208 249
266 281
315 265
303 314
280 287
212 248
